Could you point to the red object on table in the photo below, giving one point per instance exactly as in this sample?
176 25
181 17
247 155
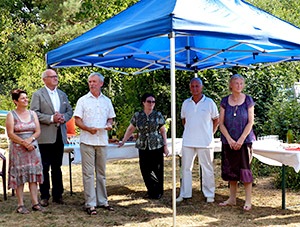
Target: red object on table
292 148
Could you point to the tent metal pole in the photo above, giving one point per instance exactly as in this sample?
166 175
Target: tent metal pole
173 122
196 74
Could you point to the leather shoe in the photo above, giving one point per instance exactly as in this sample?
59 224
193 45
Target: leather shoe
210 199
58 201
44 202
156 196
146 196
179 199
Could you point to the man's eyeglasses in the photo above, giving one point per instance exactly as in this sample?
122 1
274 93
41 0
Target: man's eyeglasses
149 101
55 76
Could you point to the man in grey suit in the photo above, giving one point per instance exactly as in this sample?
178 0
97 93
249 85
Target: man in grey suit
53 109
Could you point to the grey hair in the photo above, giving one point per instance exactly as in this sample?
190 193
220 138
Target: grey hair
101 77
235 76
44 74
196 79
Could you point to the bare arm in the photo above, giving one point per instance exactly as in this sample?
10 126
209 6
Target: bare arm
183 121
37 132
109 123
130 129
223 129
164 135
215 124
79 123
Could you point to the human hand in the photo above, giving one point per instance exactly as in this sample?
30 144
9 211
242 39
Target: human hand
232 144
61 119
58 118
121 143
28 145
92 130
166 151
31 147
108 127
238 144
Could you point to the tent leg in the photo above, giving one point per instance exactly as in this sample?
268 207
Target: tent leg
173 122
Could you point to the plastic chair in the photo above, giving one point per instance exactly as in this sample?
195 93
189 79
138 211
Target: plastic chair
71 128
3 174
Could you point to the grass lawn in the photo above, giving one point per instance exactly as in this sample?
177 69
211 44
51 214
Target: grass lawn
126 189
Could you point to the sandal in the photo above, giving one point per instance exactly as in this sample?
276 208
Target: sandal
247 207
38 207
227 203
22 210
91 211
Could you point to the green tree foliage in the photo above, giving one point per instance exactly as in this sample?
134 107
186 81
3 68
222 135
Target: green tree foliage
29 29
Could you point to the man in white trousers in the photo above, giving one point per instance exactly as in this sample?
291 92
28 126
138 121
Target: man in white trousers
200 117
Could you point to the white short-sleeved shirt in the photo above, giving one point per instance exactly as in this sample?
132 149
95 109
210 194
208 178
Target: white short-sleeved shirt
198 128
94 112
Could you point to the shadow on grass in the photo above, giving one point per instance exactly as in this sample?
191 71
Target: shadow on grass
126 192
131 209
222 216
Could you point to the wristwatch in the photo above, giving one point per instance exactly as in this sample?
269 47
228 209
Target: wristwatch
33 139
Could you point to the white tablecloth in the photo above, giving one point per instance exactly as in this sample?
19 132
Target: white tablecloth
266 151
271 153
114 152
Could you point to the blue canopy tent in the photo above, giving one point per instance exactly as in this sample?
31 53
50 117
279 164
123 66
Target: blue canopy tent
209 34
184 35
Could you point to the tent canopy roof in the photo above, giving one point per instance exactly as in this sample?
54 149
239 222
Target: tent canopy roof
208 34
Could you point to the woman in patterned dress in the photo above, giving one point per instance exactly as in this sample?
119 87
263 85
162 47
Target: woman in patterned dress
236 121
152 144
24 156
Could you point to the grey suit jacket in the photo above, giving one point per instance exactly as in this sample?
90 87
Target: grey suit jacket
42 105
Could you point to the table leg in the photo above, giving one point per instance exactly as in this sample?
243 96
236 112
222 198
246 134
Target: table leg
70 173
283 186
200 175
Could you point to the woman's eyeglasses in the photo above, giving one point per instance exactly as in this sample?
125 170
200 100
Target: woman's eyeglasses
149 101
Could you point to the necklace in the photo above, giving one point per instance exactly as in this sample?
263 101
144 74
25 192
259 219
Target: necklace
235 110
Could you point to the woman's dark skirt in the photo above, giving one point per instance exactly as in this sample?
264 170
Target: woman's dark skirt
236 163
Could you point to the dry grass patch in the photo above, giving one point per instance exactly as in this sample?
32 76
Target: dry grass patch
126 190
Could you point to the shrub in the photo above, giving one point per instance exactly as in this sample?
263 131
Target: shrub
292 179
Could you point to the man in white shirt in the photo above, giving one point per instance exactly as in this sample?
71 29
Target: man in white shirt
53 110
94 115
200 118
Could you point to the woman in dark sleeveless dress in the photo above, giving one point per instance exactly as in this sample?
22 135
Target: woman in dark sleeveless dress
24 156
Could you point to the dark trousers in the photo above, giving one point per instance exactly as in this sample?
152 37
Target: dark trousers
152 169
52 155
